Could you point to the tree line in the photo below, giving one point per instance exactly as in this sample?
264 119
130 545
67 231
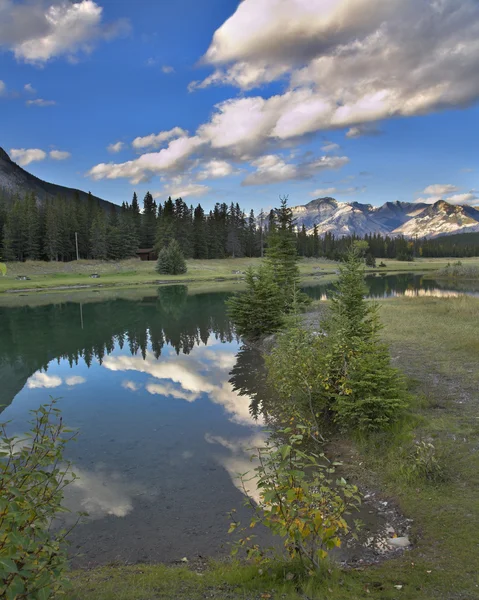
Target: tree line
60 230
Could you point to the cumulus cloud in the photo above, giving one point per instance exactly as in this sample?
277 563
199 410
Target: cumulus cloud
272 168
159 139
40 102
26 156
38 31
346 64
116 147
439 189
465 198
167 69
29 88
358 58
170 159
59 155
214 169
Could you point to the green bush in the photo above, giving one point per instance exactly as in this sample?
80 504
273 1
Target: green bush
299 499
33 475
171 260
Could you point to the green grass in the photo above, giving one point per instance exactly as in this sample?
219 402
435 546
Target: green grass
436 343
133 272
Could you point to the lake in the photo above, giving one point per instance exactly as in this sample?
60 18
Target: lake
160 389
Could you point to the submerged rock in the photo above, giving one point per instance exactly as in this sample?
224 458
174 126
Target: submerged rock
399 542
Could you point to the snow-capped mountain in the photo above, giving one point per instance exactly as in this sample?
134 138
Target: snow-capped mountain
393 218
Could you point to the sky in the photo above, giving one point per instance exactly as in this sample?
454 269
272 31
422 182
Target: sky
221 101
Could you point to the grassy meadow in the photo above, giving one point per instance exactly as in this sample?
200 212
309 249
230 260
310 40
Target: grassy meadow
435 341
133 272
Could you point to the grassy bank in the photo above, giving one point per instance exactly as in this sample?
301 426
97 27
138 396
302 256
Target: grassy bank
133 272
435 341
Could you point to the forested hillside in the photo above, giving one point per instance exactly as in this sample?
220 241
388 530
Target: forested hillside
30 230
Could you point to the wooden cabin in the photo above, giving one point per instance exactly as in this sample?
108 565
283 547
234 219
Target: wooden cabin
147 254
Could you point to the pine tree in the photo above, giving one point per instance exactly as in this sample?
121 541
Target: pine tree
51 243
148 222
171 260
129 236
98 237
259 310
282 255
136 213
32 224
200 242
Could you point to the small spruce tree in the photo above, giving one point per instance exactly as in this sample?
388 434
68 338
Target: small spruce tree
171 260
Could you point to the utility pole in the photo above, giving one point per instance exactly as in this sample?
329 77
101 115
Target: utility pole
76 244
261 217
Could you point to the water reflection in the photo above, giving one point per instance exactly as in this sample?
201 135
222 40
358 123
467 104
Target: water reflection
402 284
163 431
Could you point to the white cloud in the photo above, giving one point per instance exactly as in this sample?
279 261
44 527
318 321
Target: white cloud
357 58
157 140
75 380
272 168
184 190
467 170
40 102
466 198
346 64
3 88
330 147
116 147
37 31
334 191
214 169
26 156
168 159
59 155
29 88
453 198
439 189
363 130
43 380
167 69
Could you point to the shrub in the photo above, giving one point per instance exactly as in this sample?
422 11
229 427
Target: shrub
33 475
171 260
299 500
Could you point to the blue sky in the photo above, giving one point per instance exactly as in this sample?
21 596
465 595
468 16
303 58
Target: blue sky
364 100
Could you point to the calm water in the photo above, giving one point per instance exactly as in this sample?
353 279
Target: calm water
160 390
403 284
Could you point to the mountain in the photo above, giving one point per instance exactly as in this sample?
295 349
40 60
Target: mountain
393 218
14 179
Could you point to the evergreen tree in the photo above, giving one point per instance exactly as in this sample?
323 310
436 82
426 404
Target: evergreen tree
259 310
51 243
32 233
148 227
171 260
136 214
98 237
200 241
129 235
282 256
